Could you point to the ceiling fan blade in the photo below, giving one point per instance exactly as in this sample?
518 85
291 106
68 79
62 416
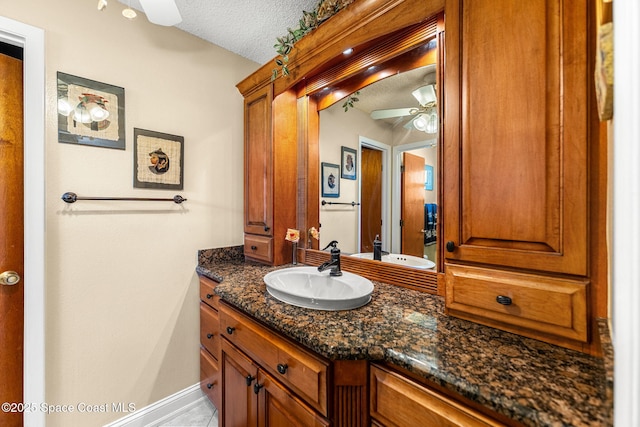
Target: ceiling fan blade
161 12
392 112
425 95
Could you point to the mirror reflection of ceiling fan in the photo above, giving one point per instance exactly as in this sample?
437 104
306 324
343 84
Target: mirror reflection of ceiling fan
424 118
160 12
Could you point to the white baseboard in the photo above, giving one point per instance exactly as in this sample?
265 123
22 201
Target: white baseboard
163 409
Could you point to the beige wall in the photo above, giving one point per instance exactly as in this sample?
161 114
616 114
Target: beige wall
121 291
337 129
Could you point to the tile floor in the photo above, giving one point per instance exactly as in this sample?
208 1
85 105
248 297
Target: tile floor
203 414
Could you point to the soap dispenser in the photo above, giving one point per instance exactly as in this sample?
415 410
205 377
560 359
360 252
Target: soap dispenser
377 248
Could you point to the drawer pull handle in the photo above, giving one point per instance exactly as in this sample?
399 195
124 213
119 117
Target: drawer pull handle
257 387
282 368
209 296
249 379
230 330
451 246
210 386
209 336
254 248
501 299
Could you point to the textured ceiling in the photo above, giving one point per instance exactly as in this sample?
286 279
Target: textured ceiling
395 91
246 27
249 28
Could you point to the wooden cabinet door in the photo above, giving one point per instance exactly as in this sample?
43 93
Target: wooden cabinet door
396 402
258 163
239 402
279 408
210 377
516 121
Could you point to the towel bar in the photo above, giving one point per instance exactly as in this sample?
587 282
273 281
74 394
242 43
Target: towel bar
71 197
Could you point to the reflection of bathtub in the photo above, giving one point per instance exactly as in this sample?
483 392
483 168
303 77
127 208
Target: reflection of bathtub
400 259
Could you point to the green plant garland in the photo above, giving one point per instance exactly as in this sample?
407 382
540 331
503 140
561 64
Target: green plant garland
310 21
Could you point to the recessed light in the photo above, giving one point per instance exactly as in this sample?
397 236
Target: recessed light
348 51
129 13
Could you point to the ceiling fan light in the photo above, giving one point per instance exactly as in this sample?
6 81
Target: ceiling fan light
425 94
420 123
432 123
81 114
98 113
64 106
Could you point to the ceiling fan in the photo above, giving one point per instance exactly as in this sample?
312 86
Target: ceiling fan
160 12
424 117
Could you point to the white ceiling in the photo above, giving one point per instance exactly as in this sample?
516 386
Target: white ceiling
246 27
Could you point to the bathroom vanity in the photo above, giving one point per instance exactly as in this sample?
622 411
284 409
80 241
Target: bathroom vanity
398 360
521 168
506 328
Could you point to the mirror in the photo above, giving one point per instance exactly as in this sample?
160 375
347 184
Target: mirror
379 164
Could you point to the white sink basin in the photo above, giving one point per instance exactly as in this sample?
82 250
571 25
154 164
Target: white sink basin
400 259
309 288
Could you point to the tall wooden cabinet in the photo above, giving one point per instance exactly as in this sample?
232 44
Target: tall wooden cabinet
523 170
517 121
269 198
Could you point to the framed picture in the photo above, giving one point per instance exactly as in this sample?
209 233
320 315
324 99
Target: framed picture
90 112
158 160
349 157
330 180
428 177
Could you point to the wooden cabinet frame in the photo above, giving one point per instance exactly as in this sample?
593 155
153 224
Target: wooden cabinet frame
570 166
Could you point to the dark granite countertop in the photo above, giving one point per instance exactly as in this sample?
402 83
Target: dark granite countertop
532 382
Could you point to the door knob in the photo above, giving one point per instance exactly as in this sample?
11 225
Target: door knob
9 278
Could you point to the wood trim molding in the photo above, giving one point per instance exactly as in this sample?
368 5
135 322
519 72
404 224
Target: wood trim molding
406 277
360 22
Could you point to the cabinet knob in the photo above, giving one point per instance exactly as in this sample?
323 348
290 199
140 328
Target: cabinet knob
210 386
257 387
282 368
254 248
249 379
267 228
230 330
209 296
501 299
209 336
450 246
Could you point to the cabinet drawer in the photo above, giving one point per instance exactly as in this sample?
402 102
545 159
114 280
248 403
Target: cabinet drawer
502 299
210 377
397 401
258 247
206 292
210 329
298 369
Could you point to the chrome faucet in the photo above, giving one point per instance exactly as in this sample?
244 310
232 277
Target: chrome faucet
334 263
